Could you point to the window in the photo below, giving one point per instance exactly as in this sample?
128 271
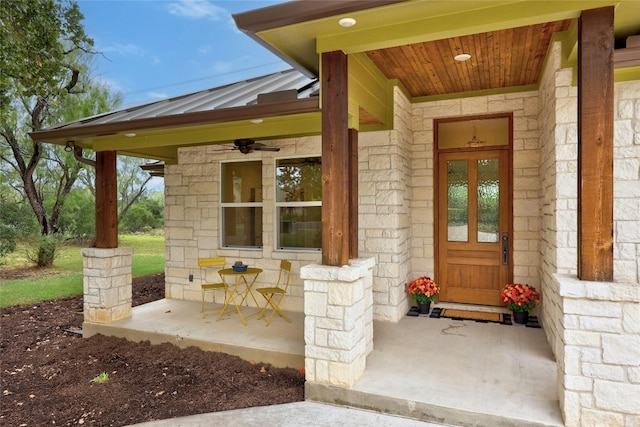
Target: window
241 195
299 203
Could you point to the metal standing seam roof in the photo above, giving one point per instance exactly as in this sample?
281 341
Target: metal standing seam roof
238 94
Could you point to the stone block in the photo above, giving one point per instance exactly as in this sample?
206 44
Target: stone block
322 371
631 318
617 397
344 340
344 294
578 383
315 304
605 372
601 324
621 349
582 338
591 418
586 307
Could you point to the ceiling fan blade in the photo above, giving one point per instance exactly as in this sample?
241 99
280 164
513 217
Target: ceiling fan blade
258 146
266 149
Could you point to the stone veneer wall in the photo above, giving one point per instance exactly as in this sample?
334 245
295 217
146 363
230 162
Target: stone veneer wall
526 179
593 327
384 198
192 220
558 169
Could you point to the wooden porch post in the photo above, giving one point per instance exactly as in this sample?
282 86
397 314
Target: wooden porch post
353 193
595 144
335 160
106 200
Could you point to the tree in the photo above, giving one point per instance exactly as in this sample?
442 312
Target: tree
132 183
44 57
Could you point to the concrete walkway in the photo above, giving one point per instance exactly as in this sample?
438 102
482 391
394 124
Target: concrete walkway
298 414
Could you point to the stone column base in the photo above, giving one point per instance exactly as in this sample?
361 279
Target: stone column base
338 326
107 284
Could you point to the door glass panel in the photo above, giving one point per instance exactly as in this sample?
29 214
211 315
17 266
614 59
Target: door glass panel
488 200
457 201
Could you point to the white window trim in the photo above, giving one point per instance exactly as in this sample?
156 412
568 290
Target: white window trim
224 205
278 205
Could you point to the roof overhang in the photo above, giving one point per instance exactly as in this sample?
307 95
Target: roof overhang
299 31
160 137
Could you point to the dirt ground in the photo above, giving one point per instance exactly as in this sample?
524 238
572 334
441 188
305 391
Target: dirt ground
47 368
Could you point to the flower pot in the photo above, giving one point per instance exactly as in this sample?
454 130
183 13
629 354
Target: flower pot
520 317
423 308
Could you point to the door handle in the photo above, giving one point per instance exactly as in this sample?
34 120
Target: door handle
505 248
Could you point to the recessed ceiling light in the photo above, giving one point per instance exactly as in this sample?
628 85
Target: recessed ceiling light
130 134
256 121
462 57
347 22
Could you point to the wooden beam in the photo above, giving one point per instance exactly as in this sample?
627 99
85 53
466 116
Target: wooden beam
106 200
353 193
335 160
595 144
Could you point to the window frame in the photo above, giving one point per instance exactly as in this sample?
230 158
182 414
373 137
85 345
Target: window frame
224 205
301 204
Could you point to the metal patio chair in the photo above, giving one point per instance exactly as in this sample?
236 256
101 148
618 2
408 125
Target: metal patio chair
209 282
274 294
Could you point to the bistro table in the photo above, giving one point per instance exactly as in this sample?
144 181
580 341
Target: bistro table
239 287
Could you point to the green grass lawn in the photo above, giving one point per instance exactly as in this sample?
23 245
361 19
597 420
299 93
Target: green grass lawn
66 277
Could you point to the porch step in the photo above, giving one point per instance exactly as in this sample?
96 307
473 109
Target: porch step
417 410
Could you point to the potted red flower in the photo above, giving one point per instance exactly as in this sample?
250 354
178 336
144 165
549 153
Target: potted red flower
424 290
521 299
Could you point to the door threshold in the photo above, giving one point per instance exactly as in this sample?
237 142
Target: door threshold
473 307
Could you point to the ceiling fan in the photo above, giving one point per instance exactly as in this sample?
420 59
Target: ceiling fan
247 145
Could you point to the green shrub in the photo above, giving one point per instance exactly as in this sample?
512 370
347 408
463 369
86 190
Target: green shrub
42 251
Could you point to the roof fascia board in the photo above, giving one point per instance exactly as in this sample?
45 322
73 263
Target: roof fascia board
273 109
477 20
296 12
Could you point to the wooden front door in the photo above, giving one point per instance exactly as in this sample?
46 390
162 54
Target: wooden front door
473 224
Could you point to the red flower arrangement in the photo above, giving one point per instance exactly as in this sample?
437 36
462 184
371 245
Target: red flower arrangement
520 297
423 289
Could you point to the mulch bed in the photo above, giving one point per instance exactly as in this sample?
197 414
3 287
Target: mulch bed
46 372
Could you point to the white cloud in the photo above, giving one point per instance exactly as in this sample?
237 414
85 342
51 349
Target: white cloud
157 95
155 60
197 9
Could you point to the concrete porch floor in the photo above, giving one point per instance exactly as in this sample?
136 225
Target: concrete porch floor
459 373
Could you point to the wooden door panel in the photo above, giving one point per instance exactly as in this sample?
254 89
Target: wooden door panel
470 251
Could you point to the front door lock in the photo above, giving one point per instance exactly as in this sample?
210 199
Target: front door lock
505 248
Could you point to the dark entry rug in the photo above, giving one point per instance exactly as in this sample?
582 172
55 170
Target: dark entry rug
477 316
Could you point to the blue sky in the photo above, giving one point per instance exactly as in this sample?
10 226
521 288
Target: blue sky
154 49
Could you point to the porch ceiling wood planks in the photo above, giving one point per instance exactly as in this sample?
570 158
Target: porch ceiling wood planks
499 59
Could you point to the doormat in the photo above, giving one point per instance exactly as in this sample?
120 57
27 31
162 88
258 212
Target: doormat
481 317
478 316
